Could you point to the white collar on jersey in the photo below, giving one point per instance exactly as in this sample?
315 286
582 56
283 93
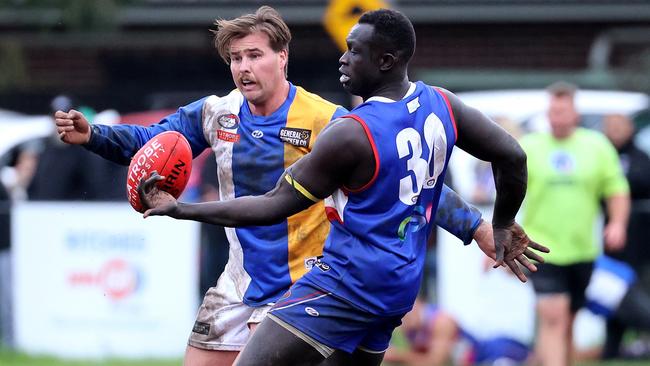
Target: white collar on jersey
388 100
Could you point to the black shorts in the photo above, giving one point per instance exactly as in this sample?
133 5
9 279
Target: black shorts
570 279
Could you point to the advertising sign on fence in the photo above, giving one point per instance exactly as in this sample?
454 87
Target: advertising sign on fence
95 280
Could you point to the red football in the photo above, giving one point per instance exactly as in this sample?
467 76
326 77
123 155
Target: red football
170 155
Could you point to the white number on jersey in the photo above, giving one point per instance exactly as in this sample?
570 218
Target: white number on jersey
425 174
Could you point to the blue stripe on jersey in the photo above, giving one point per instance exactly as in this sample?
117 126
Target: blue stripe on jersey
257 164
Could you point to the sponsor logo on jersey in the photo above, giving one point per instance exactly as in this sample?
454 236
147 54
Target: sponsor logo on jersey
227 136
201 328
295 136
311 311
257 134
229 120
322 266
312 262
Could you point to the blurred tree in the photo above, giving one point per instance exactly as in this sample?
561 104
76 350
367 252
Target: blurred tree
12 64
90 15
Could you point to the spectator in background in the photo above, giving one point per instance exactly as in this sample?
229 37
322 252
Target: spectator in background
66 172
636 166
430 336
484 191
426 337
570 170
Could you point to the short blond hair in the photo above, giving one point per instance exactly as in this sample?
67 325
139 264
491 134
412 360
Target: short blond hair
266 20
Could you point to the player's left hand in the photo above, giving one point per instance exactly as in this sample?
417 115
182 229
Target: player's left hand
513 247
155 201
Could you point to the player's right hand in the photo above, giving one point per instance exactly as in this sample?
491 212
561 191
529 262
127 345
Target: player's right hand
155 201
72 127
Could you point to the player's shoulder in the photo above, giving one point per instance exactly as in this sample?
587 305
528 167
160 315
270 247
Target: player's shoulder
313 100
313 97
322 110
230 103
235 97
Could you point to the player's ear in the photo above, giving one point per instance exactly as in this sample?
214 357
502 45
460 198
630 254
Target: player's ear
284 57
387 61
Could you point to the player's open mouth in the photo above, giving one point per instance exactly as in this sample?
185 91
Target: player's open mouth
247 83
344 78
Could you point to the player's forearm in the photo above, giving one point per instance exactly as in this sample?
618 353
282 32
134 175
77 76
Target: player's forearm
268 209
116 143
456 216
618 209
510 178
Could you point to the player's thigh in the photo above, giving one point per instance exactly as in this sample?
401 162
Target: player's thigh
273 344
359 357
202 357
257 316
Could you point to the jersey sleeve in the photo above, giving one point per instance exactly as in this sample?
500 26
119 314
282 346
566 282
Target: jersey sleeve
120 142
456 216
612 180
340 111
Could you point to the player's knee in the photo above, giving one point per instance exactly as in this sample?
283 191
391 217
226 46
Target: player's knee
554 308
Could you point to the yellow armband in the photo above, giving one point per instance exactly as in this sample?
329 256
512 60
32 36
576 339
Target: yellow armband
297 186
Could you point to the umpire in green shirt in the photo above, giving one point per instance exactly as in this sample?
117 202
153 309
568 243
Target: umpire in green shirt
570 170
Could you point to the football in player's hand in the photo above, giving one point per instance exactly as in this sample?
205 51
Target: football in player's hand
170 155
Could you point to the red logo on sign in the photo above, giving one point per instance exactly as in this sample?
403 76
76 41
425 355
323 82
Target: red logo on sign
227 136
117 278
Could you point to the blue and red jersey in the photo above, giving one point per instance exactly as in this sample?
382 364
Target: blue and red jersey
375 253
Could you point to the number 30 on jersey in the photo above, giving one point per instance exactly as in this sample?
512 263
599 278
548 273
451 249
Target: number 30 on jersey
410 143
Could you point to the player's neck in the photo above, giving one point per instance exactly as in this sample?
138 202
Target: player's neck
394 90
272 104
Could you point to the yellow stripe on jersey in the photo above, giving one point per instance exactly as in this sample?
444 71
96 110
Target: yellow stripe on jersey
298 187
308 229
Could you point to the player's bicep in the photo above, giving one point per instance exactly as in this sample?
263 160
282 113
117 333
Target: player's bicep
475 129
332 159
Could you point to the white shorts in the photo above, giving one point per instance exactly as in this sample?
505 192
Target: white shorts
223 318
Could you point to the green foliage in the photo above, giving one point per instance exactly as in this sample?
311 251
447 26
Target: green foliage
12 64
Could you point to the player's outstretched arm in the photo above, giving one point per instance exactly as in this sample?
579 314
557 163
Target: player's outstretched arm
119 143
484 139
334 161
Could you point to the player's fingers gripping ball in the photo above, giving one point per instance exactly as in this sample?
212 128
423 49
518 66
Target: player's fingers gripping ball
170 155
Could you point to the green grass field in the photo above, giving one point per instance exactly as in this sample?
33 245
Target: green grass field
17 359
8 358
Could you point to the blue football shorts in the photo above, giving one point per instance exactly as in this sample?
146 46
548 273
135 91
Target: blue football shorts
331 321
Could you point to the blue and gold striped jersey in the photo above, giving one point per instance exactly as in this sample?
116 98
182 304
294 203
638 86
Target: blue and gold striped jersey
252 153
